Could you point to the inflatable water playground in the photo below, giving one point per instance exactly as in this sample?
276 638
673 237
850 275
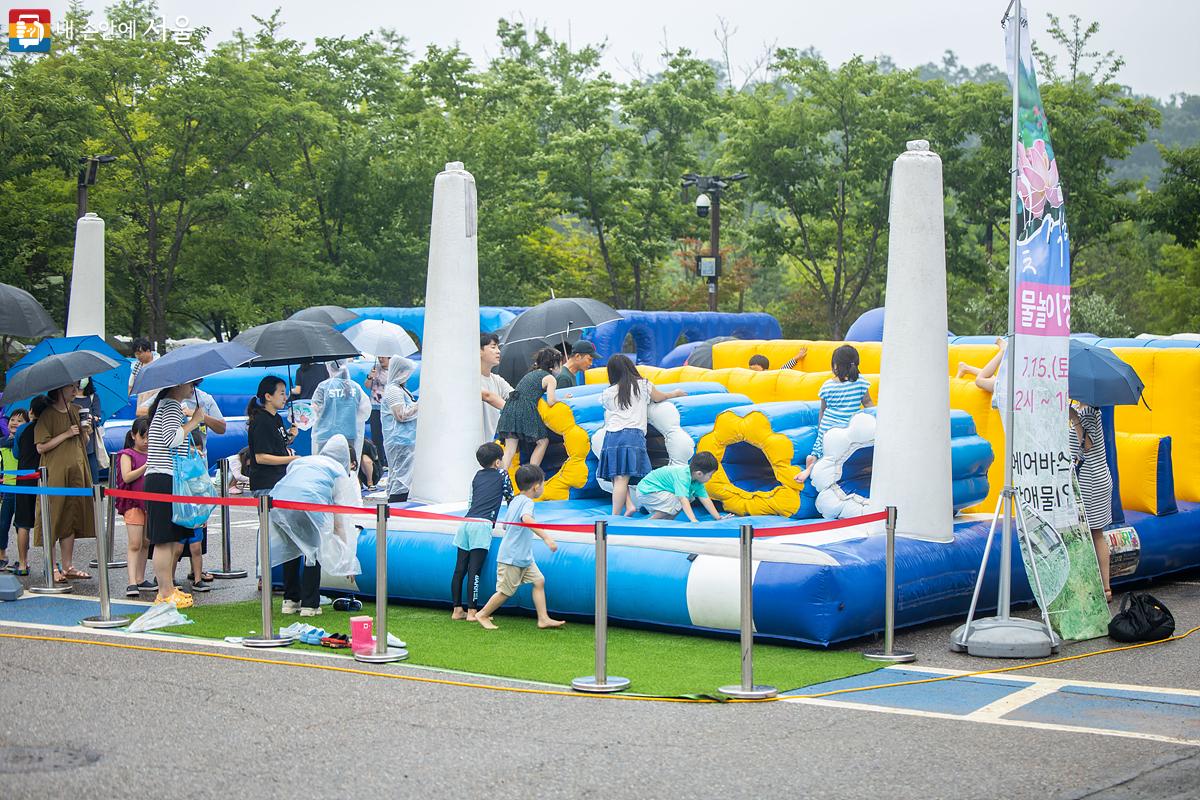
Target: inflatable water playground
934 449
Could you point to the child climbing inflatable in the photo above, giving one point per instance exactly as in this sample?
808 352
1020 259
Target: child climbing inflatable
841 398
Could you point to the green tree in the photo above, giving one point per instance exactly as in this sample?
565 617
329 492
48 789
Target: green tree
819 142
1175 207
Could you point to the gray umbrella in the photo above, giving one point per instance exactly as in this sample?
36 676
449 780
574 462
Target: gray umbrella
21 315
54 371
293 341
333 316
558 320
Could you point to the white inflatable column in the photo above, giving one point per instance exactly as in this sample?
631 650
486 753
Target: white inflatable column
449 425
86 314
912 441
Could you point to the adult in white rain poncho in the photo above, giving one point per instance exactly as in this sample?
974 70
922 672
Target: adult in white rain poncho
321 539
339 406
398 409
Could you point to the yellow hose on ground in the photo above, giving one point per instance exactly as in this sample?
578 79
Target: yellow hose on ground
565 693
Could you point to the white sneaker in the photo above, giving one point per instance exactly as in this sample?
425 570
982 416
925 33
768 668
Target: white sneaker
310 612
291 606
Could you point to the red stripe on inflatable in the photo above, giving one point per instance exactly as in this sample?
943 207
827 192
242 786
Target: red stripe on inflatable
833 524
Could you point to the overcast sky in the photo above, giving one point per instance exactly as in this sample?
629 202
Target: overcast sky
1157 38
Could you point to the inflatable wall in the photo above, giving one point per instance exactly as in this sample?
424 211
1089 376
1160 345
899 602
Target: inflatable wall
656 333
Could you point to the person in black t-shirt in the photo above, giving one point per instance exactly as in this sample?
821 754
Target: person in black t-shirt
490 487
268 441
307 378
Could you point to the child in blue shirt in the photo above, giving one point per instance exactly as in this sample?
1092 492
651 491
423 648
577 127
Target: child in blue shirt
516 565
489 489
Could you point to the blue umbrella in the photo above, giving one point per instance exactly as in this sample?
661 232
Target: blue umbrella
1098 377
112 387
191 363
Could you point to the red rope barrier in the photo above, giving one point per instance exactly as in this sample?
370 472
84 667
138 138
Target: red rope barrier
153 497
429 516
815 527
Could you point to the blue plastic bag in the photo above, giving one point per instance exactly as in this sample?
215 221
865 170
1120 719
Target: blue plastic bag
190 479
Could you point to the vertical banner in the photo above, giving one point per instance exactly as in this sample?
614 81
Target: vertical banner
1053 533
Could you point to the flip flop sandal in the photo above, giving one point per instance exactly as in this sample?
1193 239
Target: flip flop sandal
336 640
20 573
77 575
347 604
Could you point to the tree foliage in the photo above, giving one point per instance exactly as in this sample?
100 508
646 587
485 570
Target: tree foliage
262 174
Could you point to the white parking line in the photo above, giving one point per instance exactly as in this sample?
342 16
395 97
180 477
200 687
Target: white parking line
912 712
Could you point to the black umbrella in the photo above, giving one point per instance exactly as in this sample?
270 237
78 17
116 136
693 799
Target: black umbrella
701 356
292 341
54 371
333 316
1098 377
21 315
190 363
557 320
516 359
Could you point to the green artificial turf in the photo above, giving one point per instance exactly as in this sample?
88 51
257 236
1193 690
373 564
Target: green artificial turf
656 663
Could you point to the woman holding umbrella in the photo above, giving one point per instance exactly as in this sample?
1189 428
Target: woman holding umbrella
61 439
167 436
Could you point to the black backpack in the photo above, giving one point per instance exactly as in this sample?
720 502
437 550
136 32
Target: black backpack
1142 618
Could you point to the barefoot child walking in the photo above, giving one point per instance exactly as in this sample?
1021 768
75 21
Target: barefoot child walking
489 488
841 398
516 565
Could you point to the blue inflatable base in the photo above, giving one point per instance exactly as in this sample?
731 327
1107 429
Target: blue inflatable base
829 593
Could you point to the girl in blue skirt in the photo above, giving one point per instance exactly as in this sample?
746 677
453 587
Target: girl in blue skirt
626 404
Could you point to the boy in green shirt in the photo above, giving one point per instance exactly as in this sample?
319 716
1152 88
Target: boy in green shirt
668 490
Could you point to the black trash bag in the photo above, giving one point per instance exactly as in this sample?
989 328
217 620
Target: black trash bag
1142 618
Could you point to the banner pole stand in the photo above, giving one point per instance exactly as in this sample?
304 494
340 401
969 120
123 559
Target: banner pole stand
1004 636
601 682
103 537
889 653
227 570
267 636
382 654
47 546
747 689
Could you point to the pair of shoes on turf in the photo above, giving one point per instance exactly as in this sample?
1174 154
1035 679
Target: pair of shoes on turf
304 633
293 606
347 604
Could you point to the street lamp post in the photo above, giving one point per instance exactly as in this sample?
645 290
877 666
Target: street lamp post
708 204
88 167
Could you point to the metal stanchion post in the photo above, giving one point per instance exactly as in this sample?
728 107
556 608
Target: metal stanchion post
747 690
103 536
382 653
268 637
227 570
110 514
888 653
601 682
47 545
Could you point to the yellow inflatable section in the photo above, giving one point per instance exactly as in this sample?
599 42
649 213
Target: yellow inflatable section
1171 375
1137 464
754 429
573 473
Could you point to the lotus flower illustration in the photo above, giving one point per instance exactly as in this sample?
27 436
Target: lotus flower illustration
1037 178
